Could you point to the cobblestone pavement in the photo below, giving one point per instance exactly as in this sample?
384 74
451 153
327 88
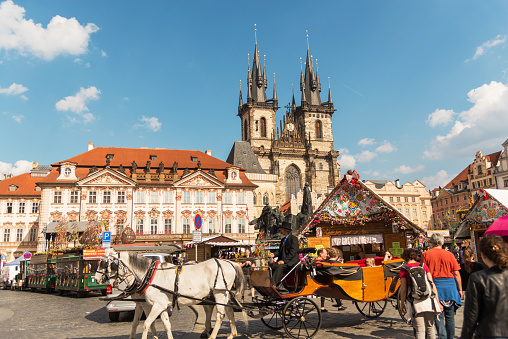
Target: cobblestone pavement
38 315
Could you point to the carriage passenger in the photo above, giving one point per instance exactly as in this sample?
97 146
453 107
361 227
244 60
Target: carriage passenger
287 256
246 267
334 258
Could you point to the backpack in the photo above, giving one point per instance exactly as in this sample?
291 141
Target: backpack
418 284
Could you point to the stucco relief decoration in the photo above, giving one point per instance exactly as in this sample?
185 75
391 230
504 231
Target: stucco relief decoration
353 204
167 214
228 214
178 197
83 196
139 214
186 214
241 214
198 181
20 224
91 215
487 209
106 214
129 197
200 212
55 215
104 179
154 214
219 197
120 215
212 214
72 215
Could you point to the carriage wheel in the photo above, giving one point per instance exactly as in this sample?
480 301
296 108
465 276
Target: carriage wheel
302 318
274 319
402 315
371 309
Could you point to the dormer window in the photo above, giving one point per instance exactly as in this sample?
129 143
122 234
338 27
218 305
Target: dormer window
194 159
13 188
110 156
153 158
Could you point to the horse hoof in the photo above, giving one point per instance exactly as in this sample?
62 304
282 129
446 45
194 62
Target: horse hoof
204 335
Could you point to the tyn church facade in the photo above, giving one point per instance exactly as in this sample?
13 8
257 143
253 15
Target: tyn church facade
300 150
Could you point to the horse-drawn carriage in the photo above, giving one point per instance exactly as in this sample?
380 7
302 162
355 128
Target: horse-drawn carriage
296 312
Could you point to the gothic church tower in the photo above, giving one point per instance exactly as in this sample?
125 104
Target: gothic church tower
301 149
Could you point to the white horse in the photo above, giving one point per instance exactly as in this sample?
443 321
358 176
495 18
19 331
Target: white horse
159 286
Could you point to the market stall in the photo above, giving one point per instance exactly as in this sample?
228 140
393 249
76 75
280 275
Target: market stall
215 246
489 205
355 219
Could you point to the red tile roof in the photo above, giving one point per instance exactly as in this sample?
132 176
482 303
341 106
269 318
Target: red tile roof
125 157
286 207
462 176
26 185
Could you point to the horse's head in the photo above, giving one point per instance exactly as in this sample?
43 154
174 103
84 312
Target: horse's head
107 271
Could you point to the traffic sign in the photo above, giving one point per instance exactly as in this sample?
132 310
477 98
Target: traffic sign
106 237
198 222
4 257
27 255
197 236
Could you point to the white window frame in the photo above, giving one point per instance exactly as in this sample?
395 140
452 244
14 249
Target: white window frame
415 212
168 197
120 197
19 235
186 197
241 225
212 225
140 197
92 197
7 235
9 207
154 223
199 197
35 207
21 208
106 197
240 198
168 226
57 197
228 225
212 197
186 225
140 226
33 235
154 197
227 198
74 197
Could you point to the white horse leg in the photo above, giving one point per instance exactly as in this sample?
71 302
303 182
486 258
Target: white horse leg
208 320
156 310
218 321
167 324
147 308
231 315
135 322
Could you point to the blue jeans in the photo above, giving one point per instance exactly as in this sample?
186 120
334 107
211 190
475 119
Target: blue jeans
445 323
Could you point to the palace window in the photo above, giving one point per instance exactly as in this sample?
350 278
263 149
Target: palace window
57 197
74 197
8 208
168 197
415 213
139 226
263 127
212 197
33 235
153 226
154 197
240 198
106 197
211 225
186 225
92 197
167 226
227 198
120 197
35 207
391 199
21 208
241 225
505 182
292 181
407 212
199 197
153 158
406 199
19 235
319 130
7 235
140 197
413 199
398 199
424 214
227 225
186 198
422 201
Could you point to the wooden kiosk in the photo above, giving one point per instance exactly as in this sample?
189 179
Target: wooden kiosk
354 218
214 246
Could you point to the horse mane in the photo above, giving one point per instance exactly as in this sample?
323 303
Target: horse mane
138 263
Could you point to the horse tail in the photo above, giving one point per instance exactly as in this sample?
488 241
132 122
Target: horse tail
240 286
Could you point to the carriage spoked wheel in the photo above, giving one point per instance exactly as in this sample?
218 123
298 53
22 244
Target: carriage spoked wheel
302 318
274 318
371 309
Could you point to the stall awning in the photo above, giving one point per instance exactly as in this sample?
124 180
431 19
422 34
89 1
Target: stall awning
219 240
357 239
71 226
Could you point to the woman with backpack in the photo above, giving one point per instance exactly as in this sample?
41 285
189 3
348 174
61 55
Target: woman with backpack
486 311
422 308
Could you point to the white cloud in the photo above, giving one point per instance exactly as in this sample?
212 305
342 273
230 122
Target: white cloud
347 161
386 147
365 156
103 54
14 89
480 50
440 117
77 104
20 167
366 141
407 169
151 123
439 180
479 128
62 36
18 118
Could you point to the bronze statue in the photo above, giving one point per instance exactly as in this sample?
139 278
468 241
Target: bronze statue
134 167
121 169
148 165
161 167
268 222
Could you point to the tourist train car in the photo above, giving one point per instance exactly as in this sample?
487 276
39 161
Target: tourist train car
21 279
41 272
75 272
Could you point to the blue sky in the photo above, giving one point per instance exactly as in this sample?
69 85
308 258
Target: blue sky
419 86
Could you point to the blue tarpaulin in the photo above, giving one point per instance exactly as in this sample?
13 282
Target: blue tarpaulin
15 262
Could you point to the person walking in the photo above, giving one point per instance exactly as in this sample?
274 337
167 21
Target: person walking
468 267
445 272
486 310
247 265
423 312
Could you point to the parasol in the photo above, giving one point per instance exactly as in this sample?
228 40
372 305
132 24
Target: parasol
499 227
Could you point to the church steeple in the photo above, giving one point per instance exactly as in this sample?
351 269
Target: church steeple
257 84
311 85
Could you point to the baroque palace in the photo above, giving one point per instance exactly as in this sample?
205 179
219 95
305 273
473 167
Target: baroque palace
157 192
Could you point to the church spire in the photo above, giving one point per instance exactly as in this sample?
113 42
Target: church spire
240 101
258 80
274 90
311 86
330 102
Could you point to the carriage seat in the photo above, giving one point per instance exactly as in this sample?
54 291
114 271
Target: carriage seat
378 261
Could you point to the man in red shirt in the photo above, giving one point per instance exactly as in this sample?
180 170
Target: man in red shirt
445 272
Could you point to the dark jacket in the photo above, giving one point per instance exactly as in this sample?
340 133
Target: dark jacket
290 250
486 309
